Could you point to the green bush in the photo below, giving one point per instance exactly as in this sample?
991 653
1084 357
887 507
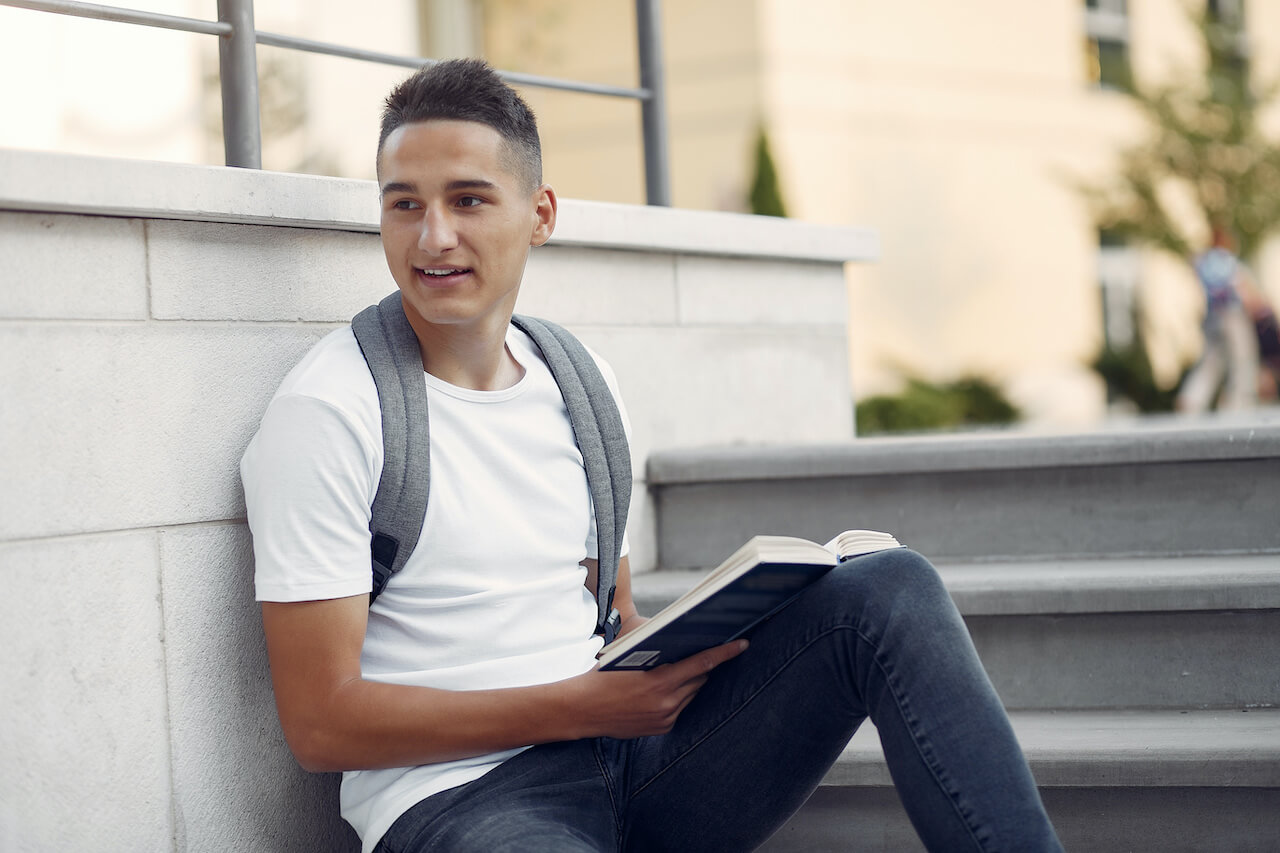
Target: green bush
1127 373
969 401
765 194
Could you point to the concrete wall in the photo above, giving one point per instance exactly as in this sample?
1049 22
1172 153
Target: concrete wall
147 312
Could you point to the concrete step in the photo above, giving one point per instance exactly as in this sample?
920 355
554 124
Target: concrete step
1111 780
1123 590
1171 632
1175 491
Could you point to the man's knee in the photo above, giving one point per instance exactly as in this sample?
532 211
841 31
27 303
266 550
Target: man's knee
887 572
879 588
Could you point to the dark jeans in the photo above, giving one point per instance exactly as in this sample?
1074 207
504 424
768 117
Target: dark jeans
878 637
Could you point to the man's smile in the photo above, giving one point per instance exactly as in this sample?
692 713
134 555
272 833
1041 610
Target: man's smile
436 276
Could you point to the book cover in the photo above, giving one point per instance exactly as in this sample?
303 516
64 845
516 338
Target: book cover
758 580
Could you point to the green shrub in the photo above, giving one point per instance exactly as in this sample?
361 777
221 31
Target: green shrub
968 401
1127 373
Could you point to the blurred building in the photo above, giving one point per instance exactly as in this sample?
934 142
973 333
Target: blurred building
955 130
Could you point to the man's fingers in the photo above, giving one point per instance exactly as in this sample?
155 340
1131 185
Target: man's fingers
720 654
705 661
695 671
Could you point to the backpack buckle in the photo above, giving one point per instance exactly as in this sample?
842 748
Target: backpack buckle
611 626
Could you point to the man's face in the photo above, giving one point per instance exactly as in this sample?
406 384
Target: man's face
457 221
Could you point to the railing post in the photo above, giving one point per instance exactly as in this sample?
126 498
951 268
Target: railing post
238 68
653 110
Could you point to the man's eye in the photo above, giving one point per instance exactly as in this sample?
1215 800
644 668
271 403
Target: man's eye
405 204
469 201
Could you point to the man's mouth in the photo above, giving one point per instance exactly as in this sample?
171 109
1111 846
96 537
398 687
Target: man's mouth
441 274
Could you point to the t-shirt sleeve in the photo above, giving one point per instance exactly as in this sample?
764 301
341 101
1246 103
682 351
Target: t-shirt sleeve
309 482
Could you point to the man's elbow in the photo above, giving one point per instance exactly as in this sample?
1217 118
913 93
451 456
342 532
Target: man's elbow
315 748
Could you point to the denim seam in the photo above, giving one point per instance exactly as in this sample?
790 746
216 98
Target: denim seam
922 744
893 690
607 776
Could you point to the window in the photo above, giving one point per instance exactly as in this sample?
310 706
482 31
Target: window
1231 50
1106 44
1228 13
1119 265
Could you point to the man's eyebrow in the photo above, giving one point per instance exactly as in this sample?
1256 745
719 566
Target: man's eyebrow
471 184
453 186
397 187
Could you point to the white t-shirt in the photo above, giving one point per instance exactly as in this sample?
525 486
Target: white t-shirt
493 595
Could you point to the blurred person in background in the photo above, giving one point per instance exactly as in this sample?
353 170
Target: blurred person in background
1230 338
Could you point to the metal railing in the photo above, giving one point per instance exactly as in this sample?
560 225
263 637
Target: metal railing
238 68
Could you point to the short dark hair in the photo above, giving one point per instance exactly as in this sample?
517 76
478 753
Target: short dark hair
467 90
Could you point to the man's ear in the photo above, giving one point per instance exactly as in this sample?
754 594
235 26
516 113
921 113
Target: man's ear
544 213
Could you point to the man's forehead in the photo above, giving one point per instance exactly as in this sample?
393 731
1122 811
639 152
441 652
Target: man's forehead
478 151
444 137
457 125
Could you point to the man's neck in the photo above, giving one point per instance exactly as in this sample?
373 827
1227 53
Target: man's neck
473 356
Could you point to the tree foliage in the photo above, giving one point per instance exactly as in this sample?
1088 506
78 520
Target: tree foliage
765 196
1204 142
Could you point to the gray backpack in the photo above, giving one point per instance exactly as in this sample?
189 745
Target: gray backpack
391 350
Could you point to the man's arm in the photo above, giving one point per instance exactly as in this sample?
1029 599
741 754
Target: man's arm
622 601
334 719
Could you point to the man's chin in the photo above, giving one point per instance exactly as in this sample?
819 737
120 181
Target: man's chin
456 316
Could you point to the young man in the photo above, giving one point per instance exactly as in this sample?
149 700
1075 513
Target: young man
463 706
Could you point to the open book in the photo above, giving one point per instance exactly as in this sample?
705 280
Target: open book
761 578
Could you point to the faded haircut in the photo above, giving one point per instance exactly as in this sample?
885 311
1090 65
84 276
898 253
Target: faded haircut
468 90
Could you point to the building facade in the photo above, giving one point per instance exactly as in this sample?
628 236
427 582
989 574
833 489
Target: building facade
954 130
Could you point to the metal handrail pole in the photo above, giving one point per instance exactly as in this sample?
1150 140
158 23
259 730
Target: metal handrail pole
515 77
120 15
238 69
653 109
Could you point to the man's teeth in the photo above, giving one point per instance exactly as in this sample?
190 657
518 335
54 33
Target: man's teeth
441 272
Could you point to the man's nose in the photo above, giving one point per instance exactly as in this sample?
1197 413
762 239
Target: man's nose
438 234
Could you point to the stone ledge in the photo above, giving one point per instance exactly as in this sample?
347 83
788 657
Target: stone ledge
64 183
1003 451
1206 749
1116 585
1103 585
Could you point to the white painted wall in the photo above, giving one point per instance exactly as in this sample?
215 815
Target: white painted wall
147 312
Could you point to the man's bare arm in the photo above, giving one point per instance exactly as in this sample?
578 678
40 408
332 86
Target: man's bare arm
334 719
622 600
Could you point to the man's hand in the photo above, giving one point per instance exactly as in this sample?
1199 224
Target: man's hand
634 704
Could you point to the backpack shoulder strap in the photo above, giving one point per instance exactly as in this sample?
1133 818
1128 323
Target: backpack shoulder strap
391 350
597 426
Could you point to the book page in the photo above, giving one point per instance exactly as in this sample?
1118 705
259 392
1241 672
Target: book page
851 543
